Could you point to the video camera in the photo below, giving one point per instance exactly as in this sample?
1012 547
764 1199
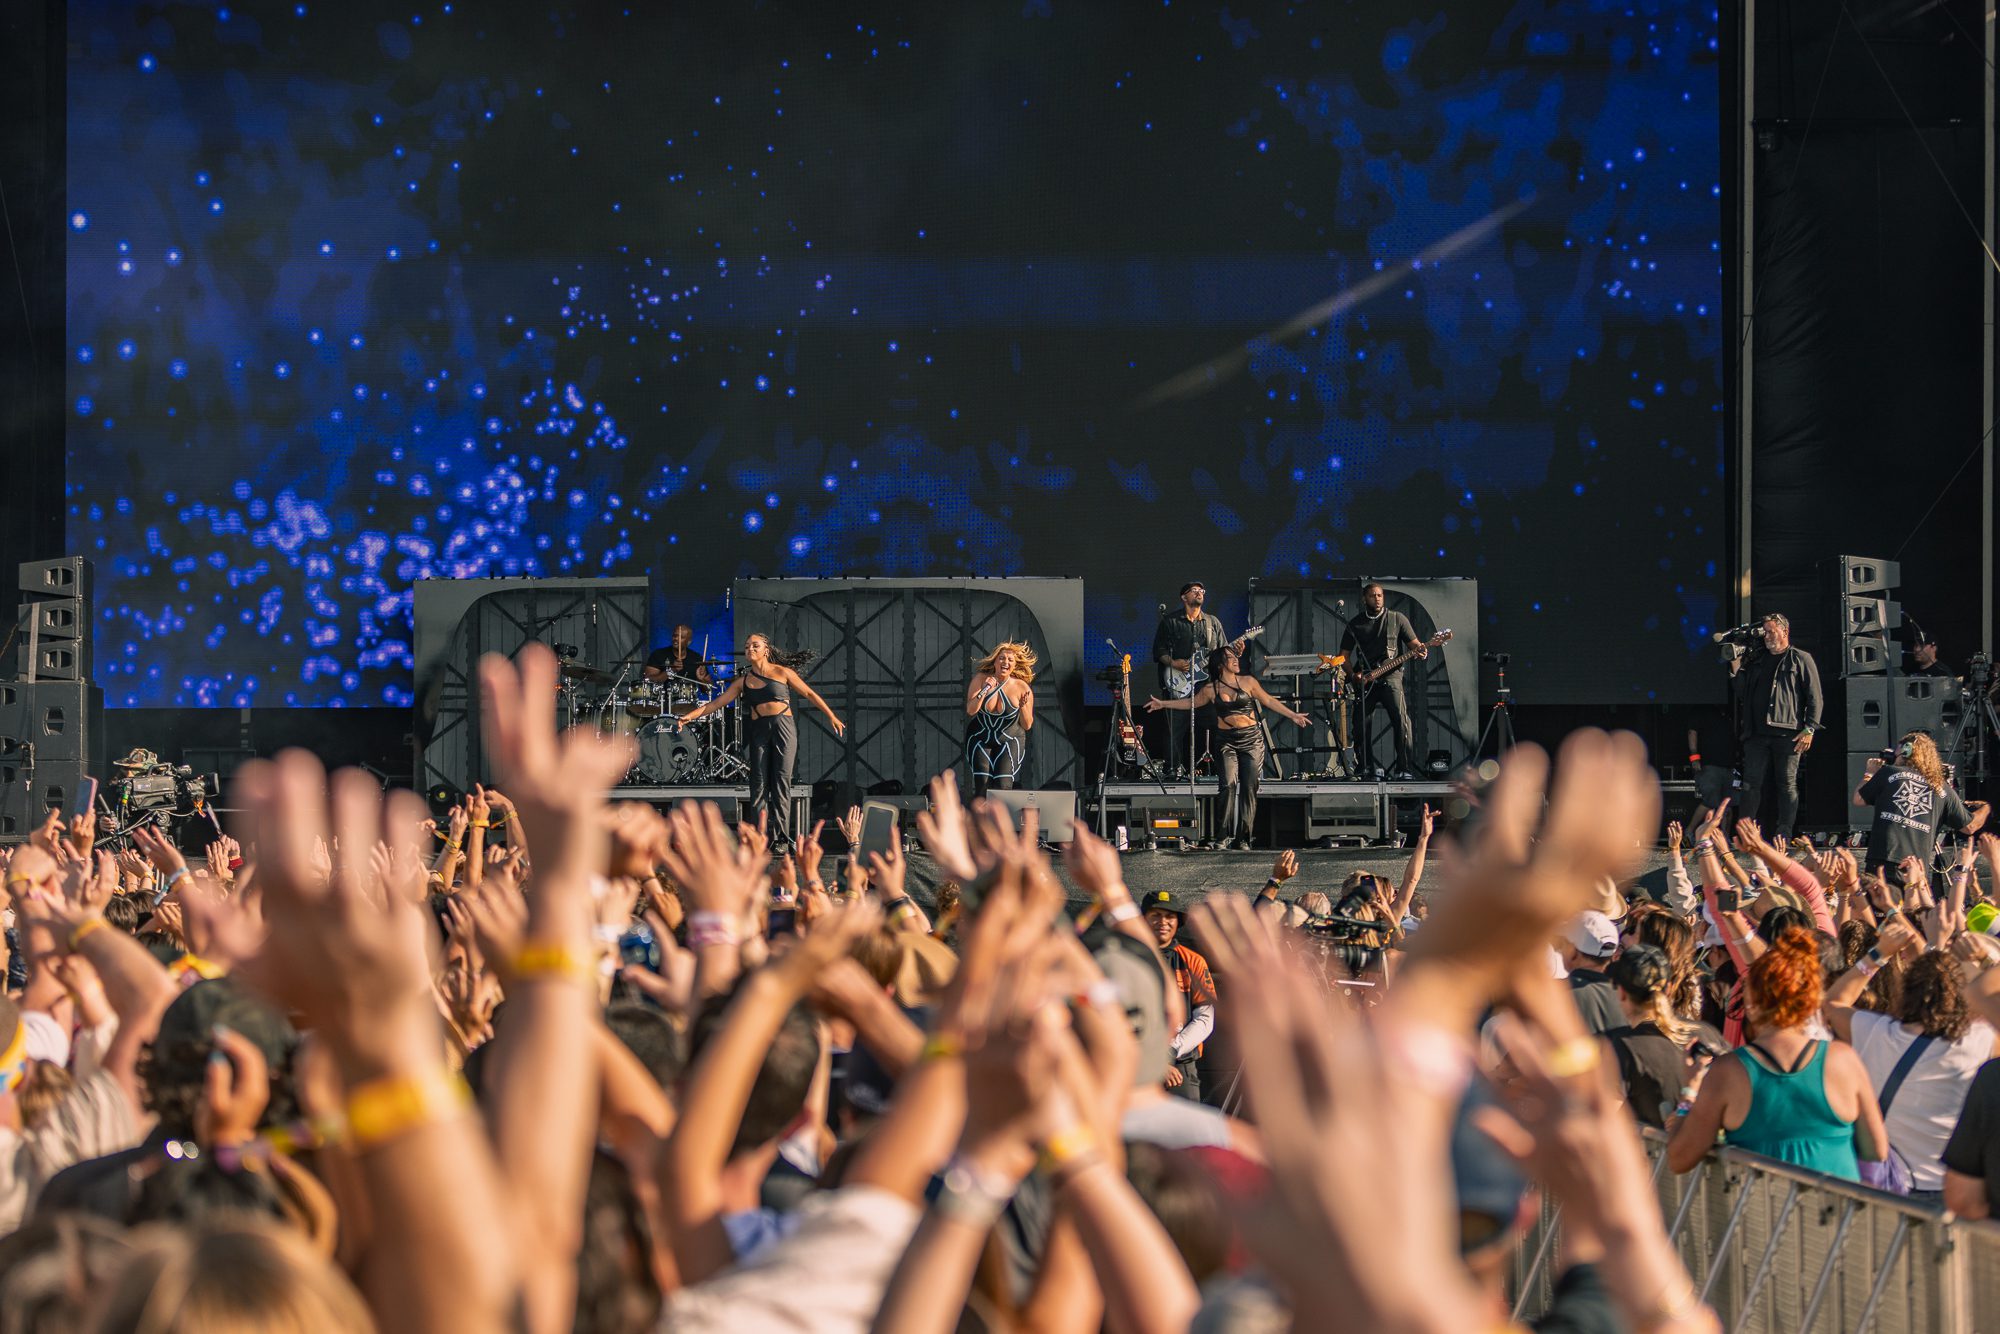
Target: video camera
150 788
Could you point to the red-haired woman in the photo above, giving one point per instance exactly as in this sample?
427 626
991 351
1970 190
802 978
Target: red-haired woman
1787 1095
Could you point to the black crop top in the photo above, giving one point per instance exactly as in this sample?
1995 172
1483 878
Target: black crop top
771 692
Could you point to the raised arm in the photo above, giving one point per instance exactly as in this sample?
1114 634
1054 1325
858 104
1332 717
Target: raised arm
1413 873
544 1075
976 692
716 705
1844 992
351 958
1199 700
1791 874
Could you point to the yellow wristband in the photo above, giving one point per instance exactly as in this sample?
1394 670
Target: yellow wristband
1575 1057
550 963
84 930
1065 1146
482 824
390 1108
13 880
940 1047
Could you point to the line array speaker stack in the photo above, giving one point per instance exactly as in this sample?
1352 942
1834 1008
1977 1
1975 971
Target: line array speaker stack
51 716
1880 703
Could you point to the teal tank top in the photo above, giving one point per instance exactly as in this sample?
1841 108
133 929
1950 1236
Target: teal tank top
1790 1120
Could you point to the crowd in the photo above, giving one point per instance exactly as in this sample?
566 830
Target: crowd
554 1064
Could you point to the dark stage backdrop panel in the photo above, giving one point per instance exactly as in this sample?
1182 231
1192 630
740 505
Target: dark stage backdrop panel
363 294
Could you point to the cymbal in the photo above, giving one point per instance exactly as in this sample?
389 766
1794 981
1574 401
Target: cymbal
578 671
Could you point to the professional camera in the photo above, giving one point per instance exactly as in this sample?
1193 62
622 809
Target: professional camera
149 787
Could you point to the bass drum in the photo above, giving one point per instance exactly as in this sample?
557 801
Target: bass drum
613 719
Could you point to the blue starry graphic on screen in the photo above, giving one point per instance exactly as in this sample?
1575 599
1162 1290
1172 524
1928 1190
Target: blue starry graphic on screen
366 294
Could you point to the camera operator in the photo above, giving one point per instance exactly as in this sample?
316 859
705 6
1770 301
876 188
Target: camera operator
1781 708
1913 798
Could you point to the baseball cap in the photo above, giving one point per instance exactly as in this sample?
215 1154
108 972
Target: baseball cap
1161 900
1193 583
192 1018
1592 935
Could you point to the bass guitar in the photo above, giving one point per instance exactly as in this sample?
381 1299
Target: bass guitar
1180 684
1363 680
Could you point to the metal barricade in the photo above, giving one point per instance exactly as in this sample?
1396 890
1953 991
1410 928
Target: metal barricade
1773 1248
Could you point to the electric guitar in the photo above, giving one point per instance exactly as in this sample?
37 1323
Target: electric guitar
1180 684
1131 746
1368 678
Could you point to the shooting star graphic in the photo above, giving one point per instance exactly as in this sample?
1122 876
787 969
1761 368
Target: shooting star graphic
1212 373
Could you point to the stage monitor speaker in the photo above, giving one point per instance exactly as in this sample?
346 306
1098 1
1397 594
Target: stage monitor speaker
52 722
1342 815
1055 811
1865 574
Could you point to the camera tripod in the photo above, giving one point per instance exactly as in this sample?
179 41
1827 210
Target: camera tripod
1500 718
1978 724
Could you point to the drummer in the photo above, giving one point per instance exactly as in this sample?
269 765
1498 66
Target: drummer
678 659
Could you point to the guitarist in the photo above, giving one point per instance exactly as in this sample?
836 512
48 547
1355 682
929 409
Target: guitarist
1185 637
1375 636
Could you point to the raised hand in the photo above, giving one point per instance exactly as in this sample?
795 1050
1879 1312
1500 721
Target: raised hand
159 849
1514 890
557 783
1750 838
850 825
715 872
1673 838
87 886
352 961
943 831
1287 865
757 837
810 854
888 873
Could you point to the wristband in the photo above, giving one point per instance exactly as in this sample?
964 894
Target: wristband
84 930
940 1047
1103 993
173 876
709 928
1867 967
550 963
1575 1057
482 824
387 1109
969 1195
1124 912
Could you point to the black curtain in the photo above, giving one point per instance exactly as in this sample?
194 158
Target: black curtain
32 131
1866 326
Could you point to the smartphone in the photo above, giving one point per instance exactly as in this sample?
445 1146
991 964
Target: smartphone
781 922
84 805
878 829
1729 900
638 949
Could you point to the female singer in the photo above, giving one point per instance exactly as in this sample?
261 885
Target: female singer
1239 733
770 738
1000 704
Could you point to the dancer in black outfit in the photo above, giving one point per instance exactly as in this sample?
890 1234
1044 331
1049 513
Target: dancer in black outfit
1239 736
999 708
771 739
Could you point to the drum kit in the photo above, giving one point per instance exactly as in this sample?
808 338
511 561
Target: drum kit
706 750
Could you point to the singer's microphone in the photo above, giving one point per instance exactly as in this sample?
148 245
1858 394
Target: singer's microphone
1113 644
